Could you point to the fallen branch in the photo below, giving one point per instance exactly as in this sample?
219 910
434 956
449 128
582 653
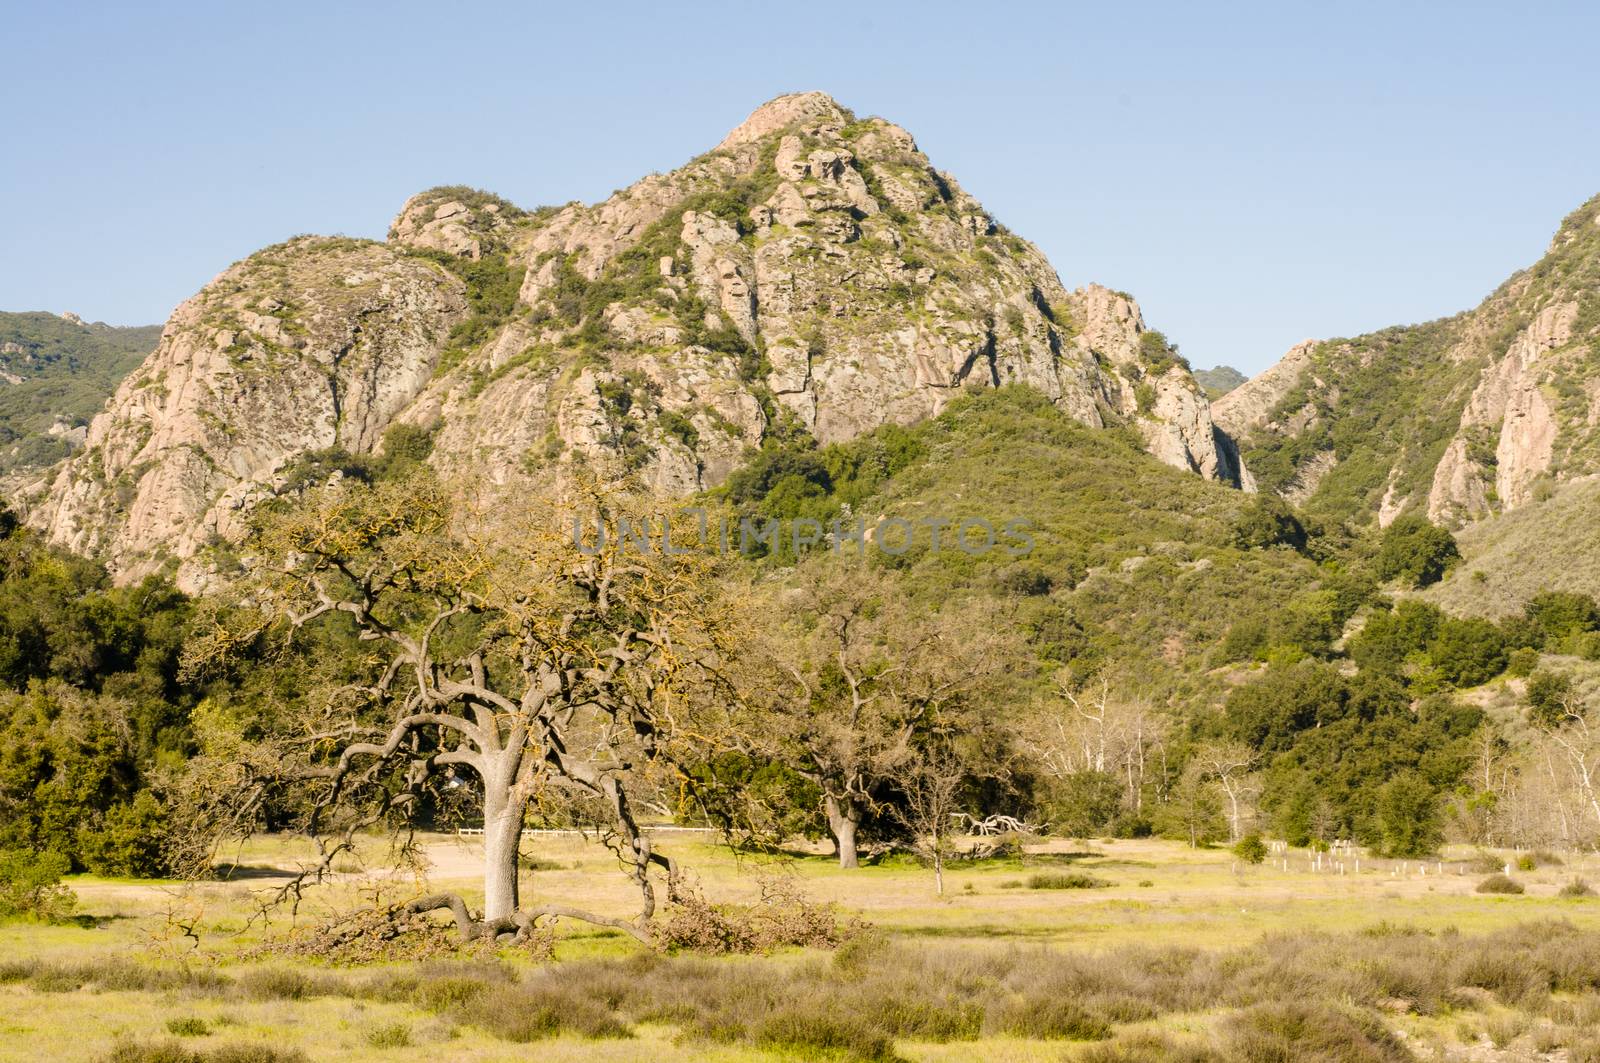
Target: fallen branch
521 923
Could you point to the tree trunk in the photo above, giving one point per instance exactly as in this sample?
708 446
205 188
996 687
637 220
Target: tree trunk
502 839
843 819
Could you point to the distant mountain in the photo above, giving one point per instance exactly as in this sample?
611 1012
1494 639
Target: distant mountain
1219 381
1458 419
812 275
55 374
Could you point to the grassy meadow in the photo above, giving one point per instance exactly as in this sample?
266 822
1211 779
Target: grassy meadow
1180 954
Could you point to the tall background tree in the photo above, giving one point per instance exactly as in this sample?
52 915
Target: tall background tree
858 677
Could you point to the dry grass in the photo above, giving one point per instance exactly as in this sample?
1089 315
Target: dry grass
1304 996
1514 555
1274 957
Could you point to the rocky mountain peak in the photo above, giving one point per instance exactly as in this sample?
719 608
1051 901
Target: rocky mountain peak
1577 229
814 273
457 220
784 111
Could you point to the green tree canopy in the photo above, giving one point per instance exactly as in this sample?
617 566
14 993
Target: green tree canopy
1415 552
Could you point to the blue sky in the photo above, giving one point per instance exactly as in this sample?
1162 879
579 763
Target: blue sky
1255 175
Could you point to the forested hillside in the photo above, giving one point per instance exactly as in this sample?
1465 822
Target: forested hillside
1165 656
55 374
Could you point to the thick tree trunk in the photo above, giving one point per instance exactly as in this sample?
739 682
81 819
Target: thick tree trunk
843 819
502 839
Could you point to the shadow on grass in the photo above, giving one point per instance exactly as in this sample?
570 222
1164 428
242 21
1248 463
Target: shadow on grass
87 921
241 872
978 930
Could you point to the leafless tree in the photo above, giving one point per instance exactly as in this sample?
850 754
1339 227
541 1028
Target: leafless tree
1098 726
930 789
1570 748
1230 765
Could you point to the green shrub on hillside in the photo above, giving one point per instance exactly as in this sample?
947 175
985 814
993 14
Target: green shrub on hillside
1548 695
492 283
1269 521
1391 637
1468 651
1559 615
1415 552
1159 353
1521 662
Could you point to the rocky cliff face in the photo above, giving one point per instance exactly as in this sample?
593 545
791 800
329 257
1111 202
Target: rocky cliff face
304 346
1459 418
812 270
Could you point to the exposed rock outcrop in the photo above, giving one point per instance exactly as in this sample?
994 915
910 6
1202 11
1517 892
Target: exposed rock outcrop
1509 407
458 221
812 268
306 345
1249 406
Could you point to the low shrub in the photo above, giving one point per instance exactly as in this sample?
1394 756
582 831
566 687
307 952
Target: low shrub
188 1026
1251 849
1044 1018
1503 1029
286 983
530 862
1485 863
30 885
528 1013
1499 883
174 1052
841 1035
782 918
1577 888
1308 1033
1066 880
1145 1047
391 1035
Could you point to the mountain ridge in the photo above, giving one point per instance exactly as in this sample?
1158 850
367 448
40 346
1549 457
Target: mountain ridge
1458 418
812 273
